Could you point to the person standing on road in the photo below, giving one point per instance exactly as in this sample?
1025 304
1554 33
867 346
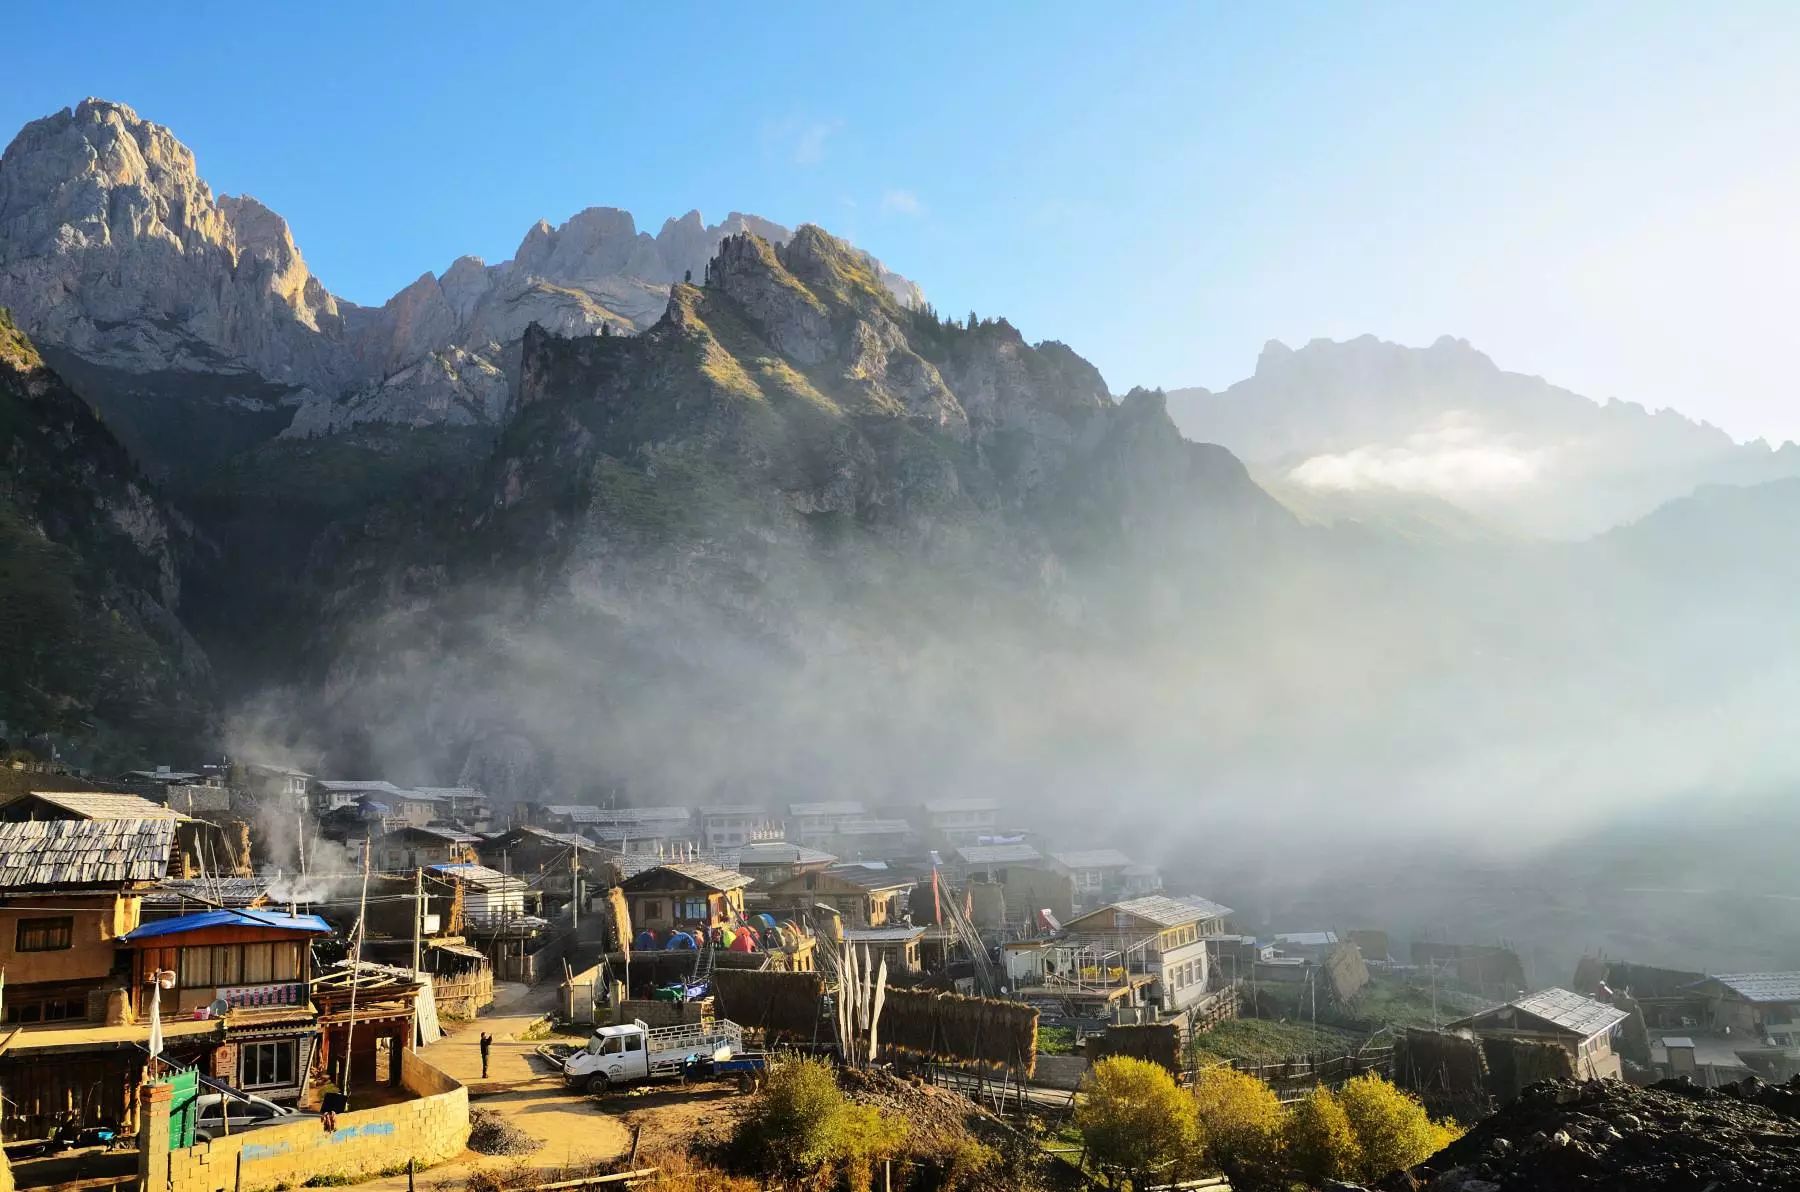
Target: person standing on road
487 1045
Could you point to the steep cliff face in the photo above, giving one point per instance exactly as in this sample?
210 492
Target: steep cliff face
90 563
764 536
193 322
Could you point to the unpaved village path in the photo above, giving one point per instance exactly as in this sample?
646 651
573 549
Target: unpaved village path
575 1130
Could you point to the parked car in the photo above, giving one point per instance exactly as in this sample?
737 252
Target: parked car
245 1112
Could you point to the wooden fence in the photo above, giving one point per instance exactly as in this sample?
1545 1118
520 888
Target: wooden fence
1293 1078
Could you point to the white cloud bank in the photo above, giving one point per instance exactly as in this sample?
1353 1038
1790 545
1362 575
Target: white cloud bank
1453 456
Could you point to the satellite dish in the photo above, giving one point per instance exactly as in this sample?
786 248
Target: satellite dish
219 1008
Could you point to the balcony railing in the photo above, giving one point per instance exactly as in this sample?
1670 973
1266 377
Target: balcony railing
256 997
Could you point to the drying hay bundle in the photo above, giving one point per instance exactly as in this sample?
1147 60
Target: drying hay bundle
951 1028
1428 1061
1515 1063
775 1003
1158 1042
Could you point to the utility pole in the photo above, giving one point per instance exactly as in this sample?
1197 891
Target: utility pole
575 888
418 914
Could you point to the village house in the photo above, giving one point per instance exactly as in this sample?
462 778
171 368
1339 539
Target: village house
1160 936
1759 1006
862 897
182 896
199 846
771 862
462 805
271 783
678 895
412 847
731 825
497 917
1104 875
549 860
401 808
956 822
1581 1026
898 944
871 839
816 824
488 896
73 890
1311 946
252 969
335 794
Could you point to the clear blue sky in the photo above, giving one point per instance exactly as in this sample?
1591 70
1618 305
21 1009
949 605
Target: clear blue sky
1608 196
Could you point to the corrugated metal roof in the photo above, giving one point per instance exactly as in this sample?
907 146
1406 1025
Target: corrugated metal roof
1093 858
1164 912
200 921
734 809
998 854
343 785
1572 1012
1762 987
827 809
583 814
85 852
873 827
781 852
938 806
869 878
1206 906
1306 939
477 875
104 805
881 935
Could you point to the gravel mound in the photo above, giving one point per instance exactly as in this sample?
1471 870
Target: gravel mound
1603 1135
491 1134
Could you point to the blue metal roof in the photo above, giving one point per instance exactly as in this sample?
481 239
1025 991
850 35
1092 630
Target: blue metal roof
230 918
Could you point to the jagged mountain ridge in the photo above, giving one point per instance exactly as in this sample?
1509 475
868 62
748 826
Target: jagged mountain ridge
131 275
91 563
1370 429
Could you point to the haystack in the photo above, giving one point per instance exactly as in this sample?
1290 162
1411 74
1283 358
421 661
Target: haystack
1158 1042
775 1003
951 1028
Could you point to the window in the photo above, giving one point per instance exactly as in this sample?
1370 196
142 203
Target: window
652 908
634 1043
266 1065
46 935
693 908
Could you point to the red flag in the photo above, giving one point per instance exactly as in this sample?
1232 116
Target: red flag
937 907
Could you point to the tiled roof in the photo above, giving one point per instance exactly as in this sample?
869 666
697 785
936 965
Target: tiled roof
1762 987
1093 858
346 786
241 891
827 809
735 809
999 854
85 852
104 805
869 879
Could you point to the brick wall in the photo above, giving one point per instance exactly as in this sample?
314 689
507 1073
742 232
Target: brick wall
429 1129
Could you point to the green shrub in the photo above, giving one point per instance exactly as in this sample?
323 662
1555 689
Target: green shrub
802 1125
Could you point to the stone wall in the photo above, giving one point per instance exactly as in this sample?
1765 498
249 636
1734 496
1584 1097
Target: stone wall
428 1129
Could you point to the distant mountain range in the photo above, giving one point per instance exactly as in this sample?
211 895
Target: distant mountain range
1440 440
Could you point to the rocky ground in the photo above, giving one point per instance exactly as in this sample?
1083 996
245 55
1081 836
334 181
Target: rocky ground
1602 1135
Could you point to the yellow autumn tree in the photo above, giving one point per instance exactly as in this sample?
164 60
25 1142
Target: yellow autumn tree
1317 1142
1240 1119
1392 1129
1134 1119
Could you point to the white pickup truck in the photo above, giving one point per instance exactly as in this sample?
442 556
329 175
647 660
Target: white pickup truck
631 1052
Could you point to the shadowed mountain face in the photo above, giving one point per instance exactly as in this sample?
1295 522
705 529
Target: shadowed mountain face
1439 440
90 577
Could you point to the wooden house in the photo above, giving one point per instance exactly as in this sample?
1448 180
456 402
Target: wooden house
250 968
1581 1026
817 824
956 822
771 862
1764 1007
1162 937
897 943
861 896
413 847
679 895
